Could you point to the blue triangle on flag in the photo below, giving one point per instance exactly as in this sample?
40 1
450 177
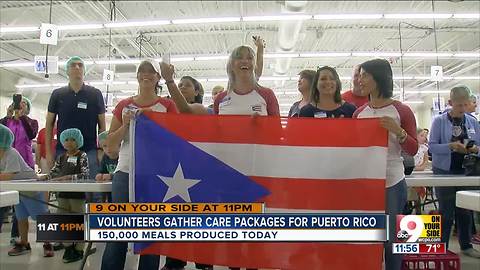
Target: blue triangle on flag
158 152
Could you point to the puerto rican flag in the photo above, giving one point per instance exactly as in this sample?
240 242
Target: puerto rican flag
292 165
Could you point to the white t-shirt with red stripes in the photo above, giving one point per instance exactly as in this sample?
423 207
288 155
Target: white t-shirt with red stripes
403 115
261 101
160 105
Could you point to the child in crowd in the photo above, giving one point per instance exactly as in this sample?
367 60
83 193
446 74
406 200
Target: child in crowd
109 160
108 163
71 165
13 167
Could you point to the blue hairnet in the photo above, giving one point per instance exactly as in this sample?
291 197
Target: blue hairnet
73 133
6 137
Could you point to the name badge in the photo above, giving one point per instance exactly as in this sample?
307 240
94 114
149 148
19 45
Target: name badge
82 105
320 115
225 102
72 160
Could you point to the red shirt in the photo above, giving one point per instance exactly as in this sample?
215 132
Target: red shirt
358 101
41 141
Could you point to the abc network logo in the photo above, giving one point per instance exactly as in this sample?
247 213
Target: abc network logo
410 228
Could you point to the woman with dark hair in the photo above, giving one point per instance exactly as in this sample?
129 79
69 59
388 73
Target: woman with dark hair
304 84
325 98
376 78
191 89
24 129
148 75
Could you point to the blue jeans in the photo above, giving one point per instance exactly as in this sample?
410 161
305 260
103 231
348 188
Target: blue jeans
396 199
115 252
463 217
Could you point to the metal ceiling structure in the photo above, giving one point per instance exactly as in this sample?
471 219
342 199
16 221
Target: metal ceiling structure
318 36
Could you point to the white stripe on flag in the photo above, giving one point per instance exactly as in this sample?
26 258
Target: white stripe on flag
301 162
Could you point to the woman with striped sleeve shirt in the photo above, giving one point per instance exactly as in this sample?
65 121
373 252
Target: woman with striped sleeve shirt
376 78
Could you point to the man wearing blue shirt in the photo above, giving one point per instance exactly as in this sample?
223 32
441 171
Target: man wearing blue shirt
450 133
77 106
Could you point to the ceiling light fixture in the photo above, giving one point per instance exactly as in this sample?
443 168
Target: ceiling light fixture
276 18
136 24
80 27
347 16
206 20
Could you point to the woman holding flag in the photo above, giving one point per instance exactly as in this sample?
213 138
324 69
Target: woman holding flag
376 78
148 75
244 96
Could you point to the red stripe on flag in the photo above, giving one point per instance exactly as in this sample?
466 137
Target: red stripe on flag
269 130
320 194
285 256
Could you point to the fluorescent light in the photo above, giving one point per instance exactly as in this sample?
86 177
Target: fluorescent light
467 55
182 59
136 24
280 55
96 83
427 54
423 92
417 16
277 18
22 86
467 16
325 54
19 29
122 96
376 54
217 57
22 64
274 78
118 61
218 80
80 27
206 20
413 102
466 78
119 82
347 16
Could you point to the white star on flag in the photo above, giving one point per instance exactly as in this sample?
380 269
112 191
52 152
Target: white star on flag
178 185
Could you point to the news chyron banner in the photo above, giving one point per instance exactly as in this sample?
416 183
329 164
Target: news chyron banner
202 222
234 158
419 234
226 222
